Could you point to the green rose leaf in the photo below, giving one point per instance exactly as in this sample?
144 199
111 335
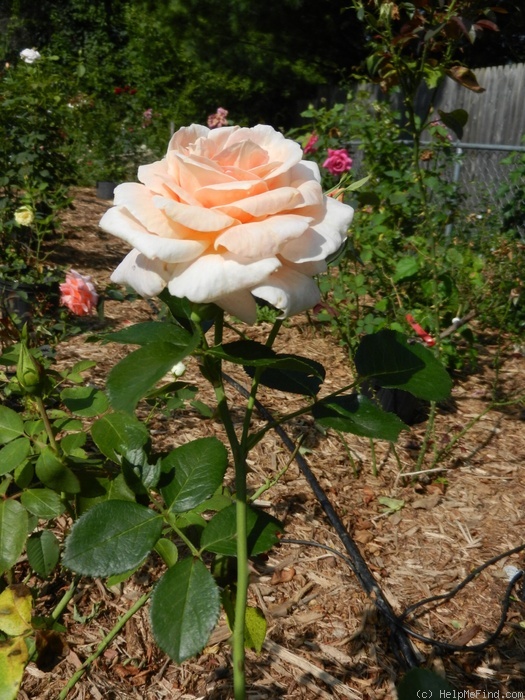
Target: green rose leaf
140 475
13 454
168 551
195 471
406 267
54 474
85 401
139 371
44 503
99 489
220 535
304 381
74 374
250 353
71 443
112 537
354 413
117 433
387 358
151 332
184 609
11 425
422 683
13 533
455 120
43 552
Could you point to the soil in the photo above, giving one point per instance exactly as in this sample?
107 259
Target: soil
325 638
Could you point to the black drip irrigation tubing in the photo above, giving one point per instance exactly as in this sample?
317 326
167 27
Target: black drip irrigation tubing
399 632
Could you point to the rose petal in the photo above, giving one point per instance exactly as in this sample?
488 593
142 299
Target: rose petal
147 277
265 204
139 201
157 179
262 239
289 291
211 277
119 222
225 193
187 136
240 304
324 237
194 218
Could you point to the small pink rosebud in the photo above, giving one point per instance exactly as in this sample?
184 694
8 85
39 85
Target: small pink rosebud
310 145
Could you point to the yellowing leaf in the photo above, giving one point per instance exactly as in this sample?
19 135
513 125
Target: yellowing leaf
254 629
13 660
465 77
15 610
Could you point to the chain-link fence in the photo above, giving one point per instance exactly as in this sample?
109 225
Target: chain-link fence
481 173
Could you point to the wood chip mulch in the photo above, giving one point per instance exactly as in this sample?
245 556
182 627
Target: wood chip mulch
325 638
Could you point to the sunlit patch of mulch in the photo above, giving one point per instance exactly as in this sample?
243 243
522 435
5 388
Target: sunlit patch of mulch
324 637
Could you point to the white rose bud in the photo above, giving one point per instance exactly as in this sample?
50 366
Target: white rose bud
178 369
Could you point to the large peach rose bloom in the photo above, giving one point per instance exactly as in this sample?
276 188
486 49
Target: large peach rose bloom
228 215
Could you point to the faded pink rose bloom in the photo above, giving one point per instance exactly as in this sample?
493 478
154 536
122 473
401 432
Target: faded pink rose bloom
147 117
227 216
338 161
310 146
218 119
78 293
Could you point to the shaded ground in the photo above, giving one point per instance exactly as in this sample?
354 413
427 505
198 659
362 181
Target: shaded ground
324 639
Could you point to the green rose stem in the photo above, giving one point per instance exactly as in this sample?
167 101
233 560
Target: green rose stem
47 425
213 372
103 645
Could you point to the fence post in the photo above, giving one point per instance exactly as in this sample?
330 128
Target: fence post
455 179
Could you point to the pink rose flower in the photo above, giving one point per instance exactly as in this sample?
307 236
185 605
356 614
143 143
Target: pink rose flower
338 161
218 119
78 293
228 215
310 145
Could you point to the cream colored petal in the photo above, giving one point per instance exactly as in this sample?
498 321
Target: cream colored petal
262 239
213 276
156 178
192 173
119 222
187 136
147 277
194 218
311 193
284 152
324 237
227 192
264 204
289 291
140 202
240 304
